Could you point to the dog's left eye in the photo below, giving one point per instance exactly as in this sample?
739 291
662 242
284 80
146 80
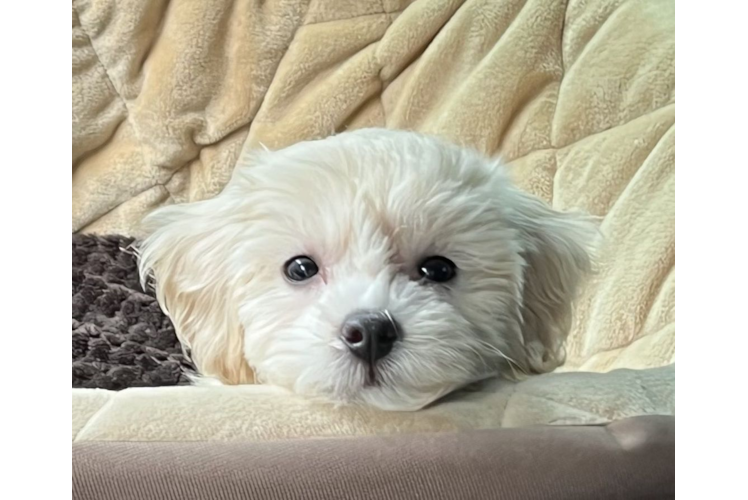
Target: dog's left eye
438 269
300 268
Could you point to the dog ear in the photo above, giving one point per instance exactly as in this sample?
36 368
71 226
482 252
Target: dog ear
556 252
186 258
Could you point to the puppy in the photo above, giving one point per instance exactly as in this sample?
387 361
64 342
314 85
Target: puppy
376 267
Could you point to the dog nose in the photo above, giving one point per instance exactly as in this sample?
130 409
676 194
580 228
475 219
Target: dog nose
370 335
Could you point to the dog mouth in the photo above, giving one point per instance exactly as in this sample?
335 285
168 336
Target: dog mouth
371 376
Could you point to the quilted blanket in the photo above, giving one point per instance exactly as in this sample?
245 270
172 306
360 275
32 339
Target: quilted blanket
578 96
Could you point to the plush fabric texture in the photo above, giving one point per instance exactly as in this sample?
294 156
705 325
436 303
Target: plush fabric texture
577 95
265 413
633 458
121 338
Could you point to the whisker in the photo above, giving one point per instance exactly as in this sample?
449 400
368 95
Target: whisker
512 363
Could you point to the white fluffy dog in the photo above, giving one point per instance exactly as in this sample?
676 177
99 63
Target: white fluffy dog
377 267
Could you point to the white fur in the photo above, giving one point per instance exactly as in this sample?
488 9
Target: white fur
368 206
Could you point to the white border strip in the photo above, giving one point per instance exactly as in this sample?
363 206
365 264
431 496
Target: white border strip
706 118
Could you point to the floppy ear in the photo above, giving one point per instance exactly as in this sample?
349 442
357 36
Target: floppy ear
187 259
555 248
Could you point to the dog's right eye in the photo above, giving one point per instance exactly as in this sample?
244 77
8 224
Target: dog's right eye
300 269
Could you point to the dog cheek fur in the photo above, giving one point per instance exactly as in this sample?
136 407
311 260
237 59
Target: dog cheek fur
185 259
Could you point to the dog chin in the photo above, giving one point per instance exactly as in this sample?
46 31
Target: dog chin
392 399
384 393
366 394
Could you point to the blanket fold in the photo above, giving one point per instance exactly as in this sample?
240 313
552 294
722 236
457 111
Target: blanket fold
261 413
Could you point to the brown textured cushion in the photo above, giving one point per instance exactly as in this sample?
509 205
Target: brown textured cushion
121 337
632 458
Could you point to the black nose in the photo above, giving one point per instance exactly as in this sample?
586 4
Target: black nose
370 335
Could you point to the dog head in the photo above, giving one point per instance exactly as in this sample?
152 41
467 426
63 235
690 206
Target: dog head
378 267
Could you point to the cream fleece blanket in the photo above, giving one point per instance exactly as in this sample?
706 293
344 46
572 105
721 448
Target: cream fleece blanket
259 413
578 95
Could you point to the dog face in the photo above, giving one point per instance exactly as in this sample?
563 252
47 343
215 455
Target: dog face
376 267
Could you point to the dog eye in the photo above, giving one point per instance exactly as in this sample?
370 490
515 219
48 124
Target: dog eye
300 268
438 269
